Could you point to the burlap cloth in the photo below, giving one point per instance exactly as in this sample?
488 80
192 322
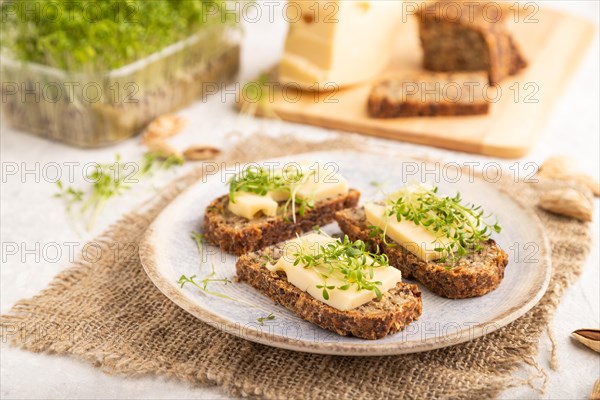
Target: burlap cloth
109 314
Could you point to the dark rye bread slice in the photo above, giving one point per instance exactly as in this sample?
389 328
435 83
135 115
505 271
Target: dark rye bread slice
473 275
469 36
237 235
397 308
423 94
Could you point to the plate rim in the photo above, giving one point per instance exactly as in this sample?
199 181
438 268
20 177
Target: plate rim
370 347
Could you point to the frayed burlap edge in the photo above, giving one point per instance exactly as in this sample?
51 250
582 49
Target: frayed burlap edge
110 315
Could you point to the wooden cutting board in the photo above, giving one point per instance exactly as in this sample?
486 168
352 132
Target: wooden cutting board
553 47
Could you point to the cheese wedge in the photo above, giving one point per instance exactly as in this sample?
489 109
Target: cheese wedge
307 279
338 43
414 238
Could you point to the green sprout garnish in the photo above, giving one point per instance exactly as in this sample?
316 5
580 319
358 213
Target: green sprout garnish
375 231
262 320
260 181
198 238
349 261
255 90
257 95
463 225
110 180
203 283
76 37
70 195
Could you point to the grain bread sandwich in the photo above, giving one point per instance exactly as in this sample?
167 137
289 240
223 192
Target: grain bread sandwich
269 205
469 36
430 94
336 284
437 240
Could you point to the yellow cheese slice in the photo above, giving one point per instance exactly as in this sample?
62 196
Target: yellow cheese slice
307 279
248 205
414 238
322 184
339 43
317 184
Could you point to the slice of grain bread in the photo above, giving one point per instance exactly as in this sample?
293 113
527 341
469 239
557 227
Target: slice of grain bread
397 308
469 36
474 275
430 94
237 235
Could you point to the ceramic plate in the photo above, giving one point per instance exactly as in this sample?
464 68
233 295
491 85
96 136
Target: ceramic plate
168 252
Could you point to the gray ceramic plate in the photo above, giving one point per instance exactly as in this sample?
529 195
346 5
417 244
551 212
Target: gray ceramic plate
167 252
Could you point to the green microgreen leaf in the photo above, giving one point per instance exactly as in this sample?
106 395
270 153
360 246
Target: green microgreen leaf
110 180
76 37
262 320
203 284
350 261
464 226
261 181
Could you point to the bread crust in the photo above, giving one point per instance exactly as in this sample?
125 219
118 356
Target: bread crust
411 95
237 235
474 275
374 320
476 40
383 107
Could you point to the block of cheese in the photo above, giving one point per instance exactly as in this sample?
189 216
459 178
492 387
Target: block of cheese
307 279
414 238
338 43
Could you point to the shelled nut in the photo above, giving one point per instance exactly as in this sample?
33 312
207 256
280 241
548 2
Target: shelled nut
200 153
564 168
567 202
164 127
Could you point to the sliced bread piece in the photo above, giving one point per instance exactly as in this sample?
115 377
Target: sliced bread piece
397 308
473 275
469 36
238 235
430 94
